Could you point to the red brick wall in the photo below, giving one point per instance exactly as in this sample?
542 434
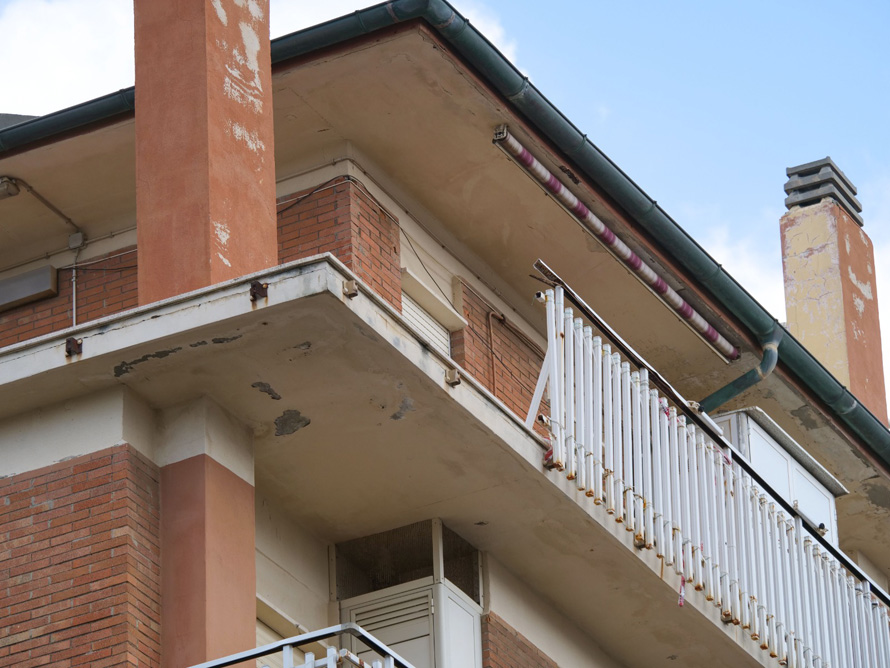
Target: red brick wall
504 647
103 288
341 218
516 362
80 563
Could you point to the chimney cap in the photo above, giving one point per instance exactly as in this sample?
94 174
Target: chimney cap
811 182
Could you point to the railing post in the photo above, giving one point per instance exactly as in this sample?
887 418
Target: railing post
646 493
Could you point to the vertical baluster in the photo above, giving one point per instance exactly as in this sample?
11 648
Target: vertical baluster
812 589
676 504
796 593
830 611
569 392
657 472
759 569
769 558
628 451
778 643
580 400
638 410
863 597
883 632
850 596
597 420
838 587
788 627
743 546
732 543
695 505
721 467
618 455
554 343
667 479
590 404
822 605
646 446
686 505
706 498
785 576
609 459
714 543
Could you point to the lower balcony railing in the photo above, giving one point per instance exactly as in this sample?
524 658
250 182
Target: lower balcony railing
665 472
332 659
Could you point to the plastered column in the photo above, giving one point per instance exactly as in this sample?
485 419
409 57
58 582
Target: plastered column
831 299
205 173
208 569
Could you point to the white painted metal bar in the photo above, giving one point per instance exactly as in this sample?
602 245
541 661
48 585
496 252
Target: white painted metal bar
759 571
588 409
627 448
686 524
721 469
732 544
676 513
830 611
788 624
693 437
658 474
796 594
555 380
569 392
713 499
608 432
743 547
638 408
667 482
770 572
559 297
597 364
647 453
618 455
580 402
706 501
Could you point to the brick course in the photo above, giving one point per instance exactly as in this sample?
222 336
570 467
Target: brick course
490 344
80 563
342 219
504 647
104 287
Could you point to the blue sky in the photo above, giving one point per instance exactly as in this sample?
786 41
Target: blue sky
703 104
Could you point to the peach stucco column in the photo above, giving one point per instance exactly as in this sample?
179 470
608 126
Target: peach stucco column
205 172
208 563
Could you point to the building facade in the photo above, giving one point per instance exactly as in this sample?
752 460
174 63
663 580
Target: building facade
356 327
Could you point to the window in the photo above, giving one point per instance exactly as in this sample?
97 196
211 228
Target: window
794 475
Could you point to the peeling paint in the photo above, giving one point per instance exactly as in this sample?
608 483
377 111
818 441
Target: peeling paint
864 287
406 406
858 304
226 339
266 389
222 233
290 421
807 417
251 139
220 12
223 258
125 367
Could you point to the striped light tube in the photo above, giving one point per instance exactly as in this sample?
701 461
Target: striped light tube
633 261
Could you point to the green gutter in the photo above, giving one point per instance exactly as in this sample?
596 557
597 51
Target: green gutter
528 100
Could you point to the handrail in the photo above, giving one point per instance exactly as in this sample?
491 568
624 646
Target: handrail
702 421
348 628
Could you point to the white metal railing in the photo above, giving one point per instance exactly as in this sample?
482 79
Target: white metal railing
333 658
663 471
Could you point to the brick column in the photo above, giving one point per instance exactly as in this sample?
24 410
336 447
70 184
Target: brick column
205 172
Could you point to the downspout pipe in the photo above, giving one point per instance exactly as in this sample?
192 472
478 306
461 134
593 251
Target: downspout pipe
767 364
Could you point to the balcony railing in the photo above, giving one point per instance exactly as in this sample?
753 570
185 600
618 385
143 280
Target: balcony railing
333 658
665 472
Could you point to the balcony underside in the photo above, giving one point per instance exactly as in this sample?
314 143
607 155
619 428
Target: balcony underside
357 432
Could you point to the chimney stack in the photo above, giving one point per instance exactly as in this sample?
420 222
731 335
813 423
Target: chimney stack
831 300
205 168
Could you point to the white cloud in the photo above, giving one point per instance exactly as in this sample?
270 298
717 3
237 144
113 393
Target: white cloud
62 52
69 51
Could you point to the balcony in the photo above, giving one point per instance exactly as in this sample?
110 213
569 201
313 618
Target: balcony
664 471
285 650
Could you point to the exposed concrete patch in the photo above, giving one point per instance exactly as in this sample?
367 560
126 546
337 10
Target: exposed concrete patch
125 367
878 494
289 422
267 389
806 416
226 339
406 406
863 286
197 344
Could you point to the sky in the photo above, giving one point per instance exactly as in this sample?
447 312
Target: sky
703 104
